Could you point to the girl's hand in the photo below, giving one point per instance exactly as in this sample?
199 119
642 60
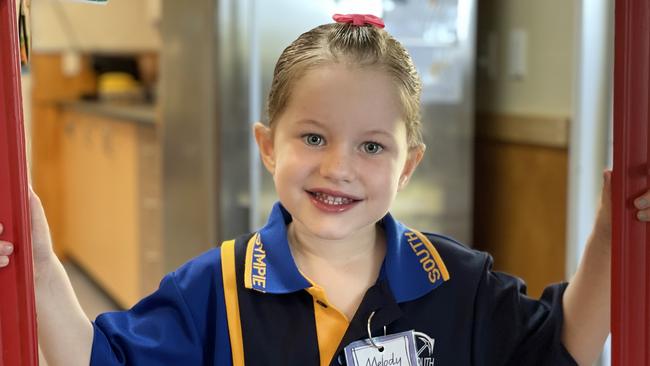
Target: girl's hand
6 249
586 301
41 240
643 205
604 219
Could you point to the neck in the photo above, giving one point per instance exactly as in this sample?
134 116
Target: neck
344 268
364 245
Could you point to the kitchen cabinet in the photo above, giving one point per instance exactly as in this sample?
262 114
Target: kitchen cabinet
111 201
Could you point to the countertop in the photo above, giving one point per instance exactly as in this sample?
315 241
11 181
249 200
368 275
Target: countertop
131 111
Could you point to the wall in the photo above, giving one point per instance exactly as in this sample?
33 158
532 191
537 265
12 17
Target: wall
121 25
522 134
63 33
547 89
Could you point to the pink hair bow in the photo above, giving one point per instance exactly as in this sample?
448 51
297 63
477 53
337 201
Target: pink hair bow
359 19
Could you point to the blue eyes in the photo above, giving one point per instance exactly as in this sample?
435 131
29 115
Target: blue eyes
371 148
313 139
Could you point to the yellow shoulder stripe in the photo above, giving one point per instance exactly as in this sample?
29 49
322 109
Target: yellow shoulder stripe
248 264
232 301
436 255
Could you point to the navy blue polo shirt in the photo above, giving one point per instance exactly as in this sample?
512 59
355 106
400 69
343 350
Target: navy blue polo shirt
247 303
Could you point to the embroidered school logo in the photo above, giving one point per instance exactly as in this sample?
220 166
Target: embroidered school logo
428 256
424 345
259 265
255 267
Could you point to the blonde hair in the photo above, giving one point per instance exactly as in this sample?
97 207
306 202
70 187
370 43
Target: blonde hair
360 45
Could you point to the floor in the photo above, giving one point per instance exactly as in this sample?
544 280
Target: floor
92 299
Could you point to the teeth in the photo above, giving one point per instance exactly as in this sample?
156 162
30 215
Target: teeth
332 200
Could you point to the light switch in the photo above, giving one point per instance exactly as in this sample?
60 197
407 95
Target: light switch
70 63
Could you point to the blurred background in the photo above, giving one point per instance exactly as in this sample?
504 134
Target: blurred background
139 113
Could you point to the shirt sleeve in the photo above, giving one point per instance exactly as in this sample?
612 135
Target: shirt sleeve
511 328
181 323
159 330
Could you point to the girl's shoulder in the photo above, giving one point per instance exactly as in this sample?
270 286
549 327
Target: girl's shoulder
209 263
461 259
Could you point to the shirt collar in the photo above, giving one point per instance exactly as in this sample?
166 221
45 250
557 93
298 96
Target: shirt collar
412 266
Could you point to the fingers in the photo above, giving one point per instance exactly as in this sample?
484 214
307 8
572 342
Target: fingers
6 249
643 205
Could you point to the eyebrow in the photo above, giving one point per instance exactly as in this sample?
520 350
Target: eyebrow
322 125
380 132
311 122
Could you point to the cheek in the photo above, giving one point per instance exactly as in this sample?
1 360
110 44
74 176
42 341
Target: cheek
291 162
381 174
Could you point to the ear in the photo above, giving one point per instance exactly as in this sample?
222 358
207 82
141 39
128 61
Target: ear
415 155
264 139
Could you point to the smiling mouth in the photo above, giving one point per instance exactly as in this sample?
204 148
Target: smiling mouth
332 199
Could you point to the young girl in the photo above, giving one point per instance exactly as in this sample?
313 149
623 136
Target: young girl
332 266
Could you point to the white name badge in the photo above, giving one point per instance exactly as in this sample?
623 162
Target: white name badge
391 350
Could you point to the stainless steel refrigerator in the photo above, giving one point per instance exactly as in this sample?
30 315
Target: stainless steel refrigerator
215 184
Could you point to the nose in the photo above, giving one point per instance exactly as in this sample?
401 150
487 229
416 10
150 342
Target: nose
337 164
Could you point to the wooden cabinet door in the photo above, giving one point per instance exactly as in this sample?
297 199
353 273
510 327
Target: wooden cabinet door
116 154
101 202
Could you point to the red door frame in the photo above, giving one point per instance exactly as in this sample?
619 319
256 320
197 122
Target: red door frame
631 238
18 337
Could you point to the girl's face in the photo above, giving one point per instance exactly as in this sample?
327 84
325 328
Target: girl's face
338 152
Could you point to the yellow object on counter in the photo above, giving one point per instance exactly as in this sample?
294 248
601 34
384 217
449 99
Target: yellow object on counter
117 84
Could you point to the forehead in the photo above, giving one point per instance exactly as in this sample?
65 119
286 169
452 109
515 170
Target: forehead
346 96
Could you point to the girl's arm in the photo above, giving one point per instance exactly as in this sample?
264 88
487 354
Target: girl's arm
587 298
64 332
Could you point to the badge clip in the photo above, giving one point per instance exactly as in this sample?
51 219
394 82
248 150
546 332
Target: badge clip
380 348
391 350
